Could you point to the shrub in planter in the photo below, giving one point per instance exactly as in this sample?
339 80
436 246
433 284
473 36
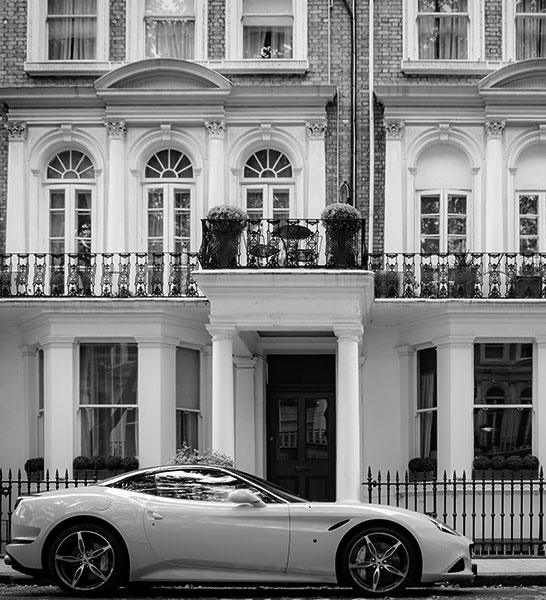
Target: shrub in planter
81 463
225 218
429 464
530 462
34 465
220 248
415 465
482 463
113 463
514 463
341 222
97 462
190 456
339 216
129 463
498 463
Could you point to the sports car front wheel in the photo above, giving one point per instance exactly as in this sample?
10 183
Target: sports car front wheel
87 560
378 561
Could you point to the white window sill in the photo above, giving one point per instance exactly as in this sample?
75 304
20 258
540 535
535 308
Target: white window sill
260 66
447 67
69 67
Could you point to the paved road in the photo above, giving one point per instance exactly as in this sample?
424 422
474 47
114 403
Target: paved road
267 593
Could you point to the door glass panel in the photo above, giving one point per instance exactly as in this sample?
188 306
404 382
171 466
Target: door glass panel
182 220
316 430
255 204
281 204
155 220
288 429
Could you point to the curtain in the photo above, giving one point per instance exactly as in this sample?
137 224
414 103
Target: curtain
170 38
71 37
443 38
530 37
427 420
267 42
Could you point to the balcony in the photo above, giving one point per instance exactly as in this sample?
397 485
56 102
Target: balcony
494 275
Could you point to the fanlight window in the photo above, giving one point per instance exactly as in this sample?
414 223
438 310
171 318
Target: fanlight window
169 164
268 164
71 164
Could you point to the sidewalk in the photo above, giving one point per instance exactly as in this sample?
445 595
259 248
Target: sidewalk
492 571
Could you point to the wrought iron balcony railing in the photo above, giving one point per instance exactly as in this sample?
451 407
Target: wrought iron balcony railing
104 275
493 275
283 243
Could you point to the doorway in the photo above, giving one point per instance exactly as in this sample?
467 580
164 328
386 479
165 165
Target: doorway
301 427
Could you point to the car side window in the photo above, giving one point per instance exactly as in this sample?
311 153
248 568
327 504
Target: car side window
145 484
206 485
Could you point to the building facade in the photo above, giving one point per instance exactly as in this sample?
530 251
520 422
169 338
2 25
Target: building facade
129 325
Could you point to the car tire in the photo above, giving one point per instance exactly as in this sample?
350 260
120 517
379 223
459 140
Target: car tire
87 560
378 561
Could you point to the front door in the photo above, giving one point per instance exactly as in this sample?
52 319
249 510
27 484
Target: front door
301 441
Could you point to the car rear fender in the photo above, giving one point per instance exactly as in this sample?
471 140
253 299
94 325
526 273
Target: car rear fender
82 519
363 526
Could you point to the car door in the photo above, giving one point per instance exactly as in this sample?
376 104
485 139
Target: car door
190 522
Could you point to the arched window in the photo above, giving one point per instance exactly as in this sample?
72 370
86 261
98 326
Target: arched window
169 192
443 184
70 181
268 185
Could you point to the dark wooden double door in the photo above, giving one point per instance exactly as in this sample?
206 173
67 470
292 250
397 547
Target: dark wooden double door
301 429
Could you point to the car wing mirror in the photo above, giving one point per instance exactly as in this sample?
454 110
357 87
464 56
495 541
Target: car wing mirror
245 497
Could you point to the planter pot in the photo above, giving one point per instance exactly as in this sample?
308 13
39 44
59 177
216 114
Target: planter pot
35 476
223 249
422 476
88 474
342 248
505 474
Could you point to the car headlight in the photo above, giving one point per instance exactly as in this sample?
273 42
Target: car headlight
443 527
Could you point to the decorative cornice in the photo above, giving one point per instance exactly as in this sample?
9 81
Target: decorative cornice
116 129
216 129
393 129
17 130
494 129
316 131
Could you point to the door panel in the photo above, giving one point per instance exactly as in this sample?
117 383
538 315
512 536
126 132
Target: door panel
301 442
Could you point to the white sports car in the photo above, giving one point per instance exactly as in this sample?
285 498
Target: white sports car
216 524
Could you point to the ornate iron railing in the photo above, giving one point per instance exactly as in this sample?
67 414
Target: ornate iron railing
283 243
105 275
504 516
493 275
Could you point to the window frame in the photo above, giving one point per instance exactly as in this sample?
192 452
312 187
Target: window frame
37 62
443 215
540 217
509 30
136 35
235 62
474 63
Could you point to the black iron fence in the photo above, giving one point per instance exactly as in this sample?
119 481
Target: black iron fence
504 516
493 275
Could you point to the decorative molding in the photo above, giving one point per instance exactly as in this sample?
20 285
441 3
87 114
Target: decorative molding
542 131
166 132
266 131
316 131
216 129
444 131
116 129
17 130
393 129
494 129
68 130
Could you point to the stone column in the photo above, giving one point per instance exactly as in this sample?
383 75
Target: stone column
216 161
395 216
223 398
116 233
245 442
455 360
494 214
17 214
156 401
316 133
61 401
348 454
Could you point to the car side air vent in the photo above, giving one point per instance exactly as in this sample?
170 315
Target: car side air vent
338 525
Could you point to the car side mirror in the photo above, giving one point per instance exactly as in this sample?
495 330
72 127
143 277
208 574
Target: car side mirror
245 497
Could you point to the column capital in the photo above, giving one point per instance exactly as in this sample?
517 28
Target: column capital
216 129
58 341
221 332
244 362
316 130
117 130
349 332
17 130
393 129
494 130
405 350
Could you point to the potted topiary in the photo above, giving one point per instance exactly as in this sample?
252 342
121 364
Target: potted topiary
81 467
129 463
422 469
221 238
342 222
34 468
113 464
481 465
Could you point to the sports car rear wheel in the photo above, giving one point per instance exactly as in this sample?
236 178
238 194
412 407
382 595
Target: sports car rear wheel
87 560
378 561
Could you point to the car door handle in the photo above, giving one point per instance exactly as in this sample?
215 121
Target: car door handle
155 516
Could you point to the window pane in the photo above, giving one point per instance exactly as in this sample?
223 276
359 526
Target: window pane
288 430
207 485
267 41
170 39
456 226
430 245
170 7
187 429
316 429
430 226
530 37
255 204
456 204
504 432
262 7
443 37
430 205
528 205
187 378
109 431
531 6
